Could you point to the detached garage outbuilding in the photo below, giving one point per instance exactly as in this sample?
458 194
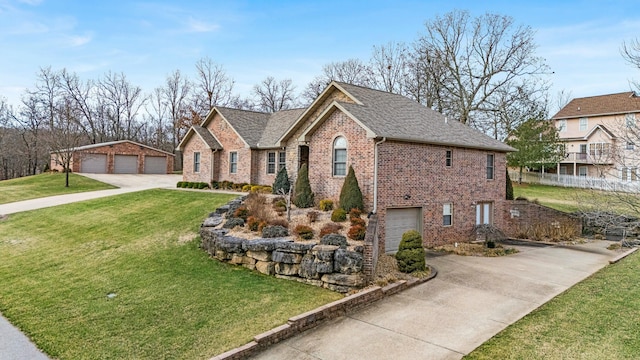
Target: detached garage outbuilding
118 157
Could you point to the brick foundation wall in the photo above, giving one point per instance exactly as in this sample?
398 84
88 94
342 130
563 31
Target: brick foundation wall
415 175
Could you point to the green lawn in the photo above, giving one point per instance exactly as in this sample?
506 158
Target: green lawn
598 318
171 301
574 199
46 184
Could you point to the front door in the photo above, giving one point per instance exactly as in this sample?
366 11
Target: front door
303 151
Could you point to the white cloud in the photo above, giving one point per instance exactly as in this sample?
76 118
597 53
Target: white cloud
79 40
194 25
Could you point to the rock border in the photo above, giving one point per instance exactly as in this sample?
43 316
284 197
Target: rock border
311 319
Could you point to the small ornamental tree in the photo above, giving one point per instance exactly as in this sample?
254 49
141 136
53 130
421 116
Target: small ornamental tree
281 182
411 255
509 187
303 196
350 195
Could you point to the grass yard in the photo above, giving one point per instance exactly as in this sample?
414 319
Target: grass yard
171 301
46 184
573 199
595 319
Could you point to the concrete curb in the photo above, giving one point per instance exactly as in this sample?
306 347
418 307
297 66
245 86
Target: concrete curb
622 256
311 319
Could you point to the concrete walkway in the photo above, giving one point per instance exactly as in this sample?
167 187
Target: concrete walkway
14 345
126 183
470 301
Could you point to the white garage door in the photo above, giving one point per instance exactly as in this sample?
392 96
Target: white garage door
397 222
155 164
125 164
93 163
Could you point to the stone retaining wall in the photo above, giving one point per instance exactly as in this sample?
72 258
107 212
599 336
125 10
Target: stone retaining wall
330 266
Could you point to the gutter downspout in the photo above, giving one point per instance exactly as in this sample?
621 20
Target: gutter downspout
375 176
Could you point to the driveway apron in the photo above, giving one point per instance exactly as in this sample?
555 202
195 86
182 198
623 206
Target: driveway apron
471 300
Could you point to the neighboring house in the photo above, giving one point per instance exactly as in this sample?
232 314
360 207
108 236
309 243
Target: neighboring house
416 169
599 134
117 157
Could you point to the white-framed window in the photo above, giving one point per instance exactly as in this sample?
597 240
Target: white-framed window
599 149
447 214
624 174
196 162
584 124
448 158
340 156
282 160
630 145
562 125
630 120
490 166
233 162
484 213
582 171
271 162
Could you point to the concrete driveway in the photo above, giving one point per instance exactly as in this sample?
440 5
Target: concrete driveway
470 301
126 183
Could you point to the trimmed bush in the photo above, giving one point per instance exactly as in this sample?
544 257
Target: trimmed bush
303 196
215 184
246 188
203 185
281 182
256 188
265 189
233 222
411 255
358 221
357 232
334 239
274 231
338 215
304 232
509 192
326 205
179 184
350 194
253 223
312 216
354 213
279 222
242 212
330 228
184 184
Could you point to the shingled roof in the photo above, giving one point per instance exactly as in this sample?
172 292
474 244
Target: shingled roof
248 124
208 138
395 117
620 103
277 124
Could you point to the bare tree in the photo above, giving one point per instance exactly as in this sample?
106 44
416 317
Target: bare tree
631 53
65 135
157 120
389 67
482 57
122 102
212 87
352 71
81 95
272 95
176 93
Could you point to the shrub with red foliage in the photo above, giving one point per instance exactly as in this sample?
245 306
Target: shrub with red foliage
357 232
330 228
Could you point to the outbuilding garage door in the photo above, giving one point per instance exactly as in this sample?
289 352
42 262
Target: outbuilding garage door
125 164
93 163
397 222
155 164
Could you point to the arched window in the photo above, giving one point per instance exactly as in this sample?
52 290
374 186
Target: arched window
340 156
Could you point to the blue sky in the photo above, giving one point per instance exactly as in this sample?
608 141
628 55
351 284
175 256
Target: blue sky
288 39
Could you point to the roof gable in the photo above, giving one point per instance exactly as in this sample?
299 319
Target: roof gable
619 103
601 128
395 117
92 146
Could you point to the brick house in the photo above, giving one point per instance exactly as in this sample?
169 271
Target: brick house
117 157
416 169
599 134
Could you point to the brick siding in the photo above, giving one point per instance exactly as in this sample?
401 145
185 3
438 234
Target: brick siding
415 175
